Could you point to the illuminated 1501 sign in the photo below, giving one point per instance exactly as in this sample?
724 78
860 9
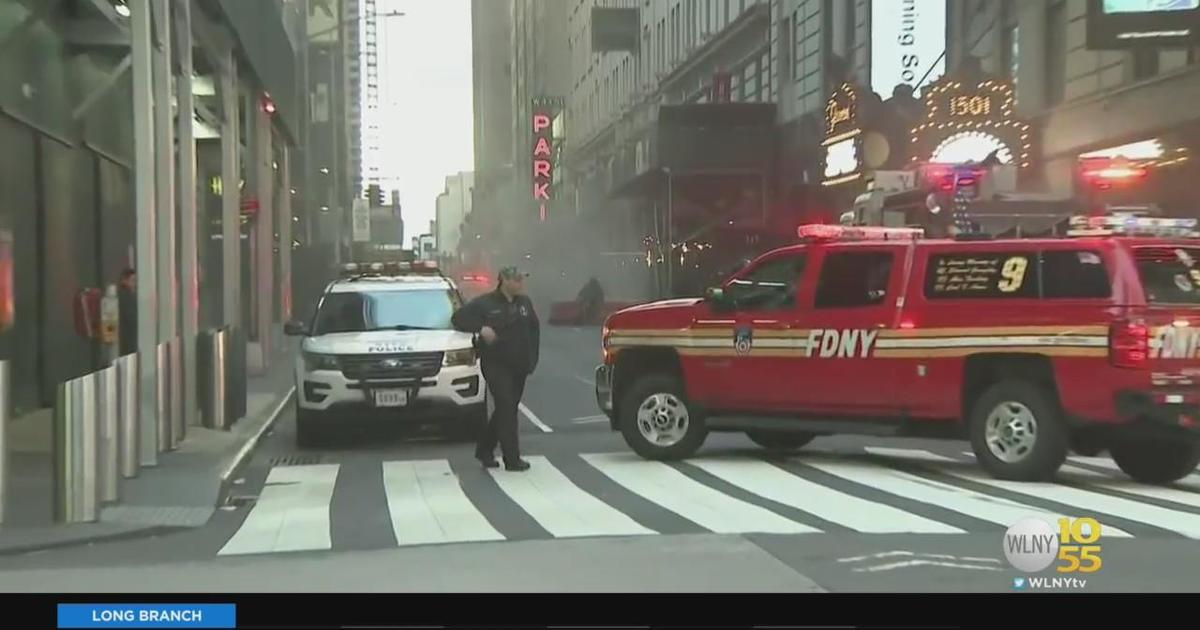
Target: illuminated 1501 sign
976 105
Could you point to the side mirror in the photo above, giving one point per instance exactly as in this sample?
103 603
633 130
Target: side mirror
295 328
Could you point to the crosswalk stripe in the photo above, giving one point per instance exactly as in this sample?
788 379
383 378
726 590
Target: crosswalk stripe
962 500
675 491
1095 502
1184 494
908 453
291 513
561 507
427 505
831 505
1190 481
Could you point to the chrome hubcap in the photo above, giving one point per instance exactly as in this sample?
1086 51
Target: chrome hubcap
1011 432
662 419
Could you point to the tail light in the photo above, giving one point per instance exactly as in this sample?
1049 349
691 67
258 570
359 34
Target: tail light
1129 344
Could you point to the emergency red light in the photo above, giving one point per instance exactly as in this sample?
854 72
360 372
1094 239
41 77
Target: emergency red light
1116 173
268 105
824 232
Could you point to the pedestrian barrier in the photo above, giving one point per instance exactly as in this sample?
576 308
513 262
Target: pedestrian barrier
178 418
235 375
107 405
75 451
5 397
129 409
162 398
212 351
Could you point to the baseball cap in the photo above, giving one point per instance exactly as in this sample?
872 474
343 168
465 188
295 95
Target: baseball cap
512 273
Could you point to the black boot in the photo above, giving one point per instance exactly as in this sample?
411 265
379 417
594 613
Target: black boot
517 466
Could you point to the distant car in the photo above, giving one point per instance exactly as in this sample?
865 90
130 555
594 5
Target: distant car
381 350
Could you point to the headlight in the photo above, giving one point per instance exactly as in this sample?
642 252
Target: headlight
466 356
313 362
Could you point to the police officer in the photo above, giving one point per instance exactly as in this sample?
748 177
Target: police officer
509 336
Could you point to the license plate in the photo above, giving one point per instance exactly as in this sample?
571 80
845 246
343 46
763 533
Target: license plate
391 398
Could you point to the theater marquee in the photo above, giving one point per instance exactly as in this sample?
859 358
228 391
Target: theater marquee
970 121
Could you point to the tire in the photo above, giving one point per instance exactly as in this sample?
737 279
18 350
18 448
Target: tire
1156 461
668 393
311 431
781 440
1016 401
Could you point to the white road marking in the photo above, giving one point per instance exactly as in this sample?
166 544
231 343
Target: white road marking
675 491
905 564
586 381
534 419
1183 493
908 453
962 500
913 554
589 419
427 504
783 487
291 513
563 508
1095 503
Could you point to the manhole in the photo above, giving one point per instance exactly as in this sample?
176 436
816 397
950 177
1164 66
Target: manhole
296 460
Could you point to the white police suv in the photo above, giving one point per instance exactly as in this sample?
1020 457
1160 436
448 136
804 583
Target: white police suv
380 350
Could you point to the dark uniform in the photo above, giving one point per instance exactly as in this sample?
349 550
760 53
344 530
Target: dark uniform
127 327
506 363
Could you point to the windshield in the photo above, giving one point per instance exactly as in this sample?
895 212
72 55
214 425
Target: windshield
426 309
1170 275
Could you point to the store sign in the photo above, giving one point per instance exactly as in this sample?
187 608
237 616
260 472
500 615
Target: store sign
971 122
908 38
843 137
1121 24
545 150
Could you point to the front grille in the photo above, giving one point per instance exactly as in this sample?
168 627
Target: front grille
411 365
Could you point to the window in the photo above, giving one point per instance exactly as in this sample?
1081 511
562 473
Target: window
421 309
771 285
1074 274
1056 52
1169 275
854 279
969 275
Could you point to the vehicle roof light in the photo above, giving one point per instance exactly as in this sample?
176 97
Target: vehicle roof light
1128 225
824 232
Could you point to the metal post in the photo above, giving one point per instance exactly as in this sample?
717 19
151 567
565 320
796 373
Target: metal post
5 412
231 224
162 399
190 303
129 402
147 226
178 424
217 402
106 384
75 489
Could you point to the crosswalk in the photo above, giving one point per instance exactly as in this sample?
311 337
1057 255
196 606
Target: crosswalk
876 491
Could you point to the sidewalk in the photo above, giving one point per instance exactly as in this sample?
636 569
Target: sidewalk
181 491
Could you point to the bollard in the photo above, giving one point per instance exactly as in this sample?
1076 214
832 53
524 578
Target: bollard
110 473
216 402
178 418
128 405
74 452
162 398
5 412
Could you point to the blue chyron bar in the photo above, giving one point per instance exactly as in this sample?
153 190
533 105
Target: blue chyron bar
147 616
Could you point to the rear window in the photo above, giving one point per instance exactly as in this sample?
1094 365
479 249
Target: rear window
1074 274
1170 275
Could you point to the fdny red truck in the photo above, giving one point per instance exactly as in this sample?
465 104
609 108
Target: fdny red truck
1029 348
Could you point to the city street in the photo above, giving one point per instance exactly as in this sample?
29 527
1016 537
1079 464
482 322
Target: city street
846 514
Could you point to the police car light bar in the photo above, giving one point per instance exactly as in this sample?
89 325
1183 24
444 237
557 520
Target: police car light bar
824 232
1133 226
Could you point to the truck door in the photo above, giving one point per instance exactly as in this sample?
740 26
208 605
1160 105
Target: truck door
854 300
765 300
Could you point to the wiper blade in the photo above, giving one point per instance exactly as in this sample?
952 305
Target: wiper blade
401 327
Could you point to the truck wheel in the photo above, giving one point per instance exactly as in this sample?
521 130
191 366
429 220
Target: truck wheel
1156 461
657 420
1017 432
780 440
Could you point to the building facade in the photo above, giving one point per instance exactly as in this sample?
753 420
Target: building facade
452 208
492 79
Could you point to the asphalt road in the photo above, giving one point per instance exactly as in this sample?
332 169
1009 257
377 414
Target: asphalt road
419 514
